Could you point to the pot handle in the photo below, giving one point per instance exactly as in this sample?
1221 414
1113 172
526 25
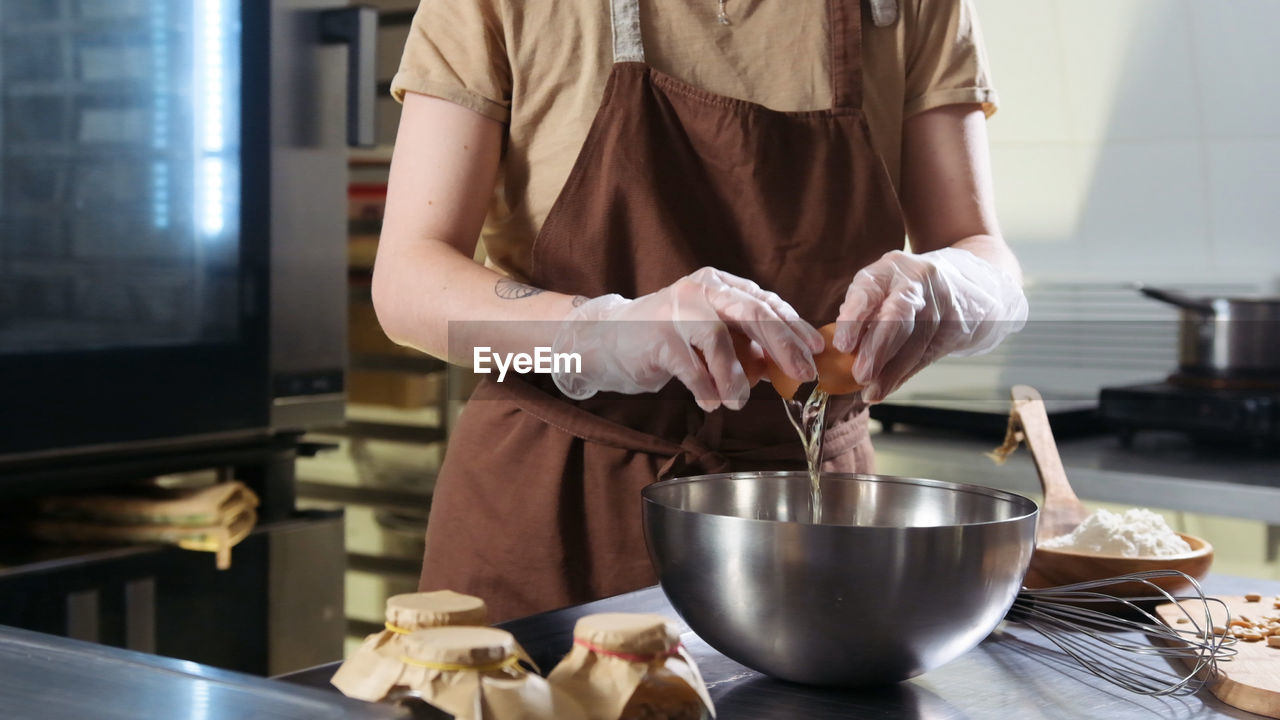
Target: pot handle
1174 297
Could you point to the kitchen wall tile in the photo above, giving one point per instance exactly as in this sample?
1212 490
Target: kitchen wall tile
1244 178
1236 60
1145 215
1026 64
1153 155
1128 69
1039 190
1049 260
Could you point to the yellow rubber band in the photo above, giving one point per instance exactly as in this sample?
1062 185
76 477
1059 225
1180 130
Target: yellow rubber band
397 629
509 661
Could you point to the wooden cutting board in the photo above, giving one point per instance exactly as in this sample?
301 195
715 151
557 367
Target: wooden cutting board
1251 680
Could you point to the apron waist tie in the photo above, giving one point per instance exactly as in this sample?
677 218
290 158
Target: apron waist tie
698 453
696 457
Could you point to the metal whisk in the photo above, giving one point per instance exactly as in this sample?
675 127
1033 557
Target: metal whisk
1098 642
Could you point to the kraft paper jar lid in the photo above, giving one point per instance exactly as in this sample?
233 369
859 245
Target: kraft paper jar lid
638 633
415 611
475 673
457 648
366 674
631 665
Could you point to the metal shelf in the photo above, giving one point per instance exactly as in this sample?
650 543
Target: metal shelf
362 628
420 434
398 363
382 565
363 495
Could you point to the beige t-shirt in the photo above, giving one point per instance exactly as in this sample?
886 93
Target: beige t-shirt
540 67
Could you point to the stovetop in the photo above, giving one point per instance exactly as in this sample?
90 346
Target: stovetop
1248 417
984 412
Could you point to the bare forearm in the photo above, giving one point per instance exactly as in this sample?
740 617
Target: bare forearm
947 193
431 297
428 292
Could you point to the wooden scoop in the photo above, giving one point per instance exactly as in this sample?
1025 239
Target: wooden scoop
1061 510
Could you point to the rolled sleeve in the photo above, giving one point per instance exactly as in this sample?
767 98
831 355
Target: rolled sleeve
456 51
947 62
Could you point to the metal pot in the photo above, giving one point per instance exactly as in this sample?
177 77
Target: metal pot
1236 338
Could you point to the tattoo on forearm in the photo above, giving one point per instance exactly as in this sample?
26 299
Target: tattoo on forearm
509 289
579 299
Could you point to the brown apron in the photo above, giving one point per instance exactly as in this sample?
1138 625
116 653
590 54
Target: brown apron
538 504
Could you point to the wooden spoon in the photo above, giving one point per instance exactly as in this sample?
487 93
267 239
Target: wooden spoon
1061 510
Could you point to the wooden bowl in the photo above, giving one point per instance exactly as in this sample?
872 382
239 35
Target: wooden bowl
1050 568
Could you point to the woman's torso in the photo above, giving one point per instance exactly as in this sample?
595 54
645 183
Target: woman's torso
558 58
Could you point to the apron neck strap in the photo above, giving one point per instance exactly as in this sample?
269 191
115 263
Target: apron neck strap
625 18
845 17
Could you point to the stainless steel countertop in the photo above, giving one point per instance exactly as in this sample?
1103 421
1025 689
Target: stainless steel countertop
1160 470
1013 673
44 677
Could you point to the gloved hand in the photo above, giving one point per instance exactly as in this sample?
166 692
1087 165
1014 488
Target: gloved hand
682 331
904 311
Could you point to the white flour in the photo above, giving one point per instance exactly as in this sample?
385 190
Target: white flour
1137 533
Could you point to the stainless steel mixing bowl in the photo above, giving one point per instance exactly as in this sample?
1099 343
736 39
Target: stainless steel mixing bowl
902 575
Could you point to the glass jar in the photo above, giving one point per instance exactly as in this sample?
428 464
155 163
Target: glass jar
631 666
476 673
361 675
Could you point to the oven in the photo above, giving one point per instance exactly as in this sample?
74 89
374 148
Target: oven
172 220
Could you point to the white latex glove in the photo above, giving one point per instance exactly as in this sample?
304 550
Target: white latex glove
682 332
904 311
